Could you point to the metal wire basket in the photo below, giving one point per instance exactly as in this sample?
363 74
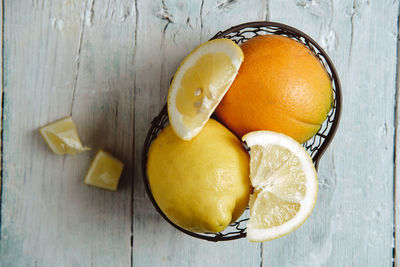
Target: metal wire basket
316 146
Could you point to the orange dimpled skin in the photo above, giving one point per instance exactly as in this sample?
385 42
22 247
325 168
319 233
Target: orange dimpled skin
281 86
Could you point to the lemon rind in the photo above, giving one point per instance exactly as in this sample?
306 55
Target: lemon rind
264 138
214 46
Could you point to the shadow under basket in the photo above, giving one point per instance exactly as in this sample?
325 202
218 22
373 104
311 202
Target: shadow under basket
316 146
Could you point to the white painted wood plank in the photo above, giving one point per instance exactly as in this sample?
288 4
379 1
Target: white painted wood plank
2 88
64 57
352 224
167 31
397 159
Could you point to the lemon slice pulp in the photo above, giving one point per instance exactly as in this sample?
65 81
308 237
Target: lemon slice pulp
285 185
62 137
104 171
200 83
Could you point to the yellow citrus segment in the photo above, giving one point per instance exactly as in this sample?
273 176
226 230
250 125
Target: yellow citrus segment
276 168
200 87
268 210
199 84
285 185
62 137
104 171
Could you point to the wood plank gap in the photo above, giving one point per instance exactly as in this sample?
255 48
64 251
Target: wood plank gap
134 120
268 15
2 109
201 16
396 261
78 60
352 32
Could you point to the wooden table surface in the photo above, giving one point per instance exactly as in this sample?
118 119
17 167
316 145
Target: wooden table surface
108 64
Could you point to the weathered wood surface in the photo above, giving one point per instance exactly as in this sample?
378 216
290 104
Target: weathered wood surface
62 58
352 224
108 64
397 158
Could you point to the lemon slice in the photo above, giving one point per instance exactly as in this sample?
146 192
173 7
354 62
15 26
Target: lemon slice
104 171
199 84
62 137
285 185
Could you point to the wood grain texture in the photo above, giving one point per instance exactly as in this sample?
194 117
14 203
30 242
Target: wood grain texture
62 58
1 97
352 223
397 157
108 63
167 31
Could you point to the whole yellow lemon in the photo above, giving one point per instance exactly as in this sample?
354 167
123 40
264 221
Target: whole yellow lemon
201 185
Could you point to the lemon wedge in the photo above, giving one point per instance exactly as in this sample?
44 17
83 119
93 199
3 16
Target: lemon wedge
62 137
104 171
285 185
200 83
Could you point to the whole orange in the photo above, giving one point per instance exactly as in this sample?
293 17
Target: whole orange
281 86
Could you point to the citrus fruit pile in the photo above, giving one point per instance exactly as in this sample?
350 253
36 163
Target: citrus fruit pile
274 94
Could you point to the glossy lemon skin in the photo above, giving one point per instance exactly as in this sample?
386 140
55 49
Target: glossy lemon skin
201 185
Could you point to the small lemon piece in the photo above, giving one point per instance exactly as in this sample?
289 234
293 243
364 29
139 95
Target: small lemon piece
285 185
200 83
201 185
62 137
104 171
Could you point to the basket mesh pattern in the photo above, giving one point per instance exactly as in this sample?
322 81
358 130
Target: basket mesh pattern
315 146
